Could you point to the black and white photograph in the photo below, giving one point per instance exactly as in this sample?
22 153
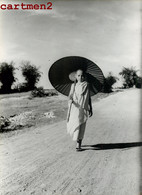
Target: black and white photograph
70 97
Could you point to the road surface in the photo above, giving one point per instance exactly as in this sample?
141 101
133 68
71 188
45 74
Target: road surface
45 162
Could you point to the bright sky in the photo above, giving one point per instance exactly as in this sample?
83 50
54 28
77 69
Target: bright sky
104 31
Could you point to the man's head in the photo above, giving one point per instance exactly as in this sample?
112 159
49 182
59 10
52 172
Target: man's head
80 77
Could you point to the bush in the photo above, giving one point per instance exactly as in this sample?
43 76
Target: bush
139 82
4 122
40 92
51 92
109 82
130 77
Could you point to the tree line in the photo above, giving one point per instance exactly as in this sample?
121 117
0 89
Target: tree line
7 77
32 76
129 76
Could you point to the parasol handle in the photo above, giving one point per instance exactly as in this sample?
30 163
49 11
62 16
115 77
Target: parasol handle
69 110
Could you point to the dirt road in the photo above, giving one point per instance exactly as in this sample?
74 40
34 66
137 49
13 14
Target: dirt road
44 161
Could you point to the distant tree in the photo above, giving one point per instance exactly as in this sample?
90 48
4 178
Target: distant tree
109 82
139 82
31 74
130 77
7 76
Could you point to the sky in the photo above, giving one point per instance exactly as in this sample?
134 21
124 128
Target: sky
108 32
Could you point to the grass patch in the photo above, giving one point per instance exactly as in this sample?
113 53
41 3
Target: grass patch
22 111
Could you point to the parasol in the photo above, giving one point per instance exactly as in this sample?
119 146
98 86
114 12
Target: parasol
61 74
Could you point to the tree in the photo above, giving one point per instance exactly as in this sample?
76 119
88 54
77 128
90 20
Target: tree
31 74
139 82
7 76
130 77
109 82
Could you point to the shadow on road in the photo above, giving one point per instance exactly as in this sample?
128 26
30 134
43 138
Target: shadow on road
110 146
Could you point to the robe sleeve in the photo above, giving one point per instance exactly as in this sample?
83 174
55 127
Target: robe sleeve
71 90
85 89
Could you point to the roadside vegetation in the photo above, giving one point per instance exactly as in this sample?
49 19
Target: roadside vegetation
25 105
131 78
109 81
32 75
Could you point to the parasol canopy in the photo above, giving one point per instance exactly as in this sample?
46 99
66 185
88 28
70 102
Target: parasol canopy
61 74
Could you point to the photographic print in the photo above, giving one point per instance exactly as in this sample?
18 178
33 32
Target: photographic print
70 97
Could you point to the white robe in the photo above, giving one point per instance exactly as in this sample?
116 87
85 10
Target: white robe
78 113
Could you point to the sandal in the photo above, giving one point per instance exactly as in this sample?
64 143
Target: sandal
78 149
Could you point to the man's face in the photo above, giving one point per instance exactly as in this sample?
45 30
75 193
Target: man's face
80 76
